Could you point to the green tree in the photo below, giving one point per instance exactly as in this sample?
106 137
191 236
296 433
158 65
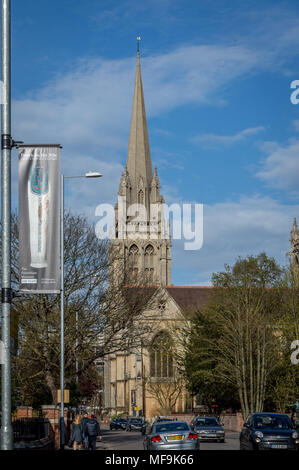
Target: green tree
234 341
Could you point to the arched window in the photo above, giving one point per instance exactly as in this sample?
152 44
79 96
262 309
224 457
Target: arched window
134 260
149 263
161 356
140 197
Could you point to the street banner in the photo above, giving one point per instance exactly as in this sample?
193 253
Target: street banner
39 233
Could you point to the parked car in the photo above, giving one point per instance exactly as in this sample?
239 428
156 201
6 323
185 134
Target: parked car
159 420
118 423
175 435
208 428
135 424
268 431
145 425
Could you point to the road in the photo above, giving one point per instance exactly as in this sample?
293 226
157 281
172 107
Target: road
123 440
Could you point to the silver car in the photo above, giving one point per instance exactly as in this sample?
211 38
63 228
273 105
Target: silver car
175 435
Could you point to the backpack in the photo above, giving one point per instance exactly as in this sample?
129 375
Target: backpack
92 427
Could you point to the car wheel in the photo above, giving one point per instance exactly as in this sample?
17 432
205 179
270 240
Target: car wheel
222 440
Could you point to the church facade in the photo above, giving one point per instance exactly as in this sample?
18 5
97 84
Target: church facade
143 381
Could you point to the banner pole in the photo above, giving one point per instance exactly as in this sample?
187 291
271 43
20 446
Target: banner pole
6 294
62 433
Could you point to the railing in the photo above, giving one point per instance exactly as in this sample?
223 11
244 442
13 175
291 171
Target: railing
30 429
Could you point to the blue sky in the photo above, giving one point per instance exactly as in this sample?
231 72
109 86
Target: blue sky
216 78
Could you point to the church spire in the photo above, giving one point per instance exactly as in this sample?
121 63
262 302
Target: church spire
139 165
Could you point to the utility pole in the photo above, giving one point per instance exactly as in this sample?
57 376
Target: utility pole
6 294
62 427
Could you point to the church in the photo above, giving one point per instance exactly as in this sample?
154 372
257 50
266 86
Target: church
143 381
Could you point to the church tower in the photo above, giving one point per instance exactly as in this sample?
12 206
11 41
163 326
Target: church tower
142 242
294 240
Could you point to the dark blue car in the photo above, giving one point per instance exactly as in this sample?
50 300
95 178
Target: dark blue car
268 431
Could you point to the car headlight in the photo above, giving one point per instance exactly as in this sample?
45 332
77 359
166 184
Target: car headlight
220 432
295 435
259 434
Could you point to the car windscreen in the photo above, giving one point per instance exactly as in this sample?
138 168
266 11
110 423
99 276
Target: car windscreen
207 422
271 422
171 427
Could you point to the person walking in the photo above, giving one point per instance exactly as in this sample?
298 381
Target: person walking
93 431
84 429
77 433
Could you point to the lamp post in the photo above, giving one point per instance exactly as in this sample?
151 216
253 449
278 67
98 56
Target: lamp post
87 175
6 294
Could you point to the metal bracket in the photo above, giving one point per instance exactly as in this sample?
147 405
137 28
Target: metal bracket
8 295
7 142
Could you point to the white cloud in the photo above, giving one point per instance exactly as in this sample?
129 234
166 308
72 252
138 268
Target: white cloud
214 139
231 229
88 109
280 169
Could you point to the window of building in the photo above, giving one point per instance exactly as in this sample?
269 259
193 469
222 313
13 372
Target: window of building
149 263
161 356
134 261
140 197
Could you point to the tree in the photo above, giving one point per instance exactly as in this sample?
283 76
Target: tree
284 380
239 344
105 315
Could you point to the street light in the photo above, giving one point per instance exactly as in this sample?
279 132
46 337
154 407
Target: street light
87 175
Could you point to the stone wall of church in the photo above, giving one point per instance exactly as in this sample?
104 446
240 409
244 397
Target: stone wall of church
163 316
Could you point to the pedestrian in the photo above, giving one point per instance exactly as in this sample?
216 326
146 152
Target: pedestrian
93 431
84 429
77 433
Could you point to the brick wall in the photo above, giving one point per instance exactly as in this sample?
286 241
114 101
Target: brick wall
52 413
24 412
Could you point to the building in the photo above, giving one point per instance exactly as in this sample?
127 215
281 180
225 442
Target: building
144 380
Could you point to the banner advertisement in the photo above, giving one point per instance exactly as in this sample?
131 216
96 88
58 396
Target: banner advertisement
39 219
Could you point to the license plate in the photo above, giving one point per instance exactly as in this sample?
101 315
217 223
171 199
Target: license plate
211 435
174 438
278 446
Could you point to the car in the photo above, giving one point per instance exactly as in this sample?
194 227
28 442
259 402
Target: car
118 423
145 425
175 435
268 431
135 424
208 428
159 420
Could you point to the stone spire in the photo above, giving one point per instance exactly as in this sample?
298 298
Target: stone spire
294 252
139 164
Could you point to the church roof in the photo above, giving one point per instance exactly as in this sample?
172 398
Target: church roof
139 163
190 298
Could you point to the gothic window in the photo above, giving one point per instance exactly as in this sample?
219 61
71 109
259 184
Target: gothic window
140 197
134 260
149 263
161 357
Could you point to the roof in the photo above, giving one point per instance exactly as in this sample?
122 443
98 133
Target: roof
190 298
